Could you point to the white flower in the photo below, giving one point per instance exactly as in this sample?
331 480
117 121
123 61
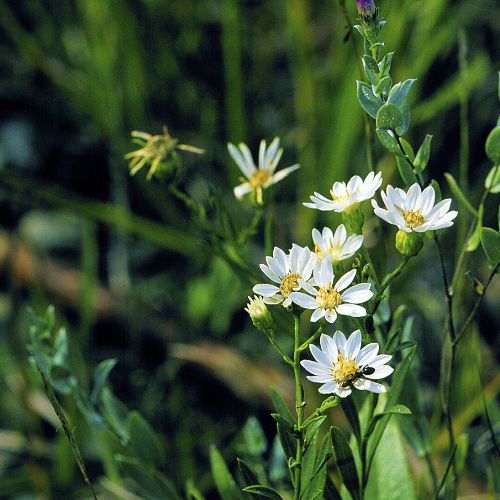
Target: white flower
344 195
328 301
341 365
286 271
336 246
415 210
262 177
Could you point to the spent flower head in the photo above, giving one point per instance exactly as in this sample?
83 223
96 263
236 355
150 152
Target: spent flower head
258 178
288 272
342 364
328 299
154 150
415 209
345 195
335 246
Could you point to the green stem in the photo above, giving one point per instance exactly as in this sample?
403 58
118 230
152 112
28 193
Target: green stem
268 239
275 344
311 339
299 405
386 282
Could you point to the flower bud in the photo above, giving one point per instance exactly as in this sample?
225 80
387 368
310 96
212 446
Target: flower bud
408 244
353 219
366 9
259 314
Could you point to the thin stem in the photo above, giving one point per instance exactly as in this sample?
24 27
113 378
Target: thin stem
268 239
67 430
471 315
299 405
311 339
275 344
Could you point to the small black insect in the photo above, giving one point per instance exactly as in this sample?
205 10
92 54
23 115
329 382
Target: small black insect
368 370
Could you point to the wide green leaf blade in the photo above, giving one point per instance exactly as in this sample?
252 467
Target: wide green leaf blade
224 482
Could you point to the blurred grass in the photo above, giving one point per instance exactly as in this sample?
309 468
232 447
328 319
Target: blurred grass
84 73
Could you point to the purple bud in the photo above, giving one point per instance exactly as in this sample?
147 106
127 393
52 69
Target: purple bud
366 8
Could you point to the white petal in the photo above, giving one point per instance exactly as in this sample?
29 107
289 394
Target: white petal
345 280
367 385
282 258
315 368
381 372
340 236
278 176
328 388
330 315
320 379
426 201
242 190
276 267
353 345
379 360
303 300
357 294
247 157
320 356
247 168
367 354
270 274
412 197
326 272
343 392
317 315
351 310
340 341
265 290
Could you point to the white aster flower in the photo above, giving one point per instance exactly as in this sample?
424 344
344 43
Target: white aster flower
336 246
262 177
415 210
288 272
345 195
342 364
328 300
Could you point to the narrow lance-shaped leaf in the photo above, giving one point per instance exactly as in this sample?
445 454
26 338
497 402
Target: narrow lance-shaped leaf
459 195
351 413
345 462
423 154
262 491
224 482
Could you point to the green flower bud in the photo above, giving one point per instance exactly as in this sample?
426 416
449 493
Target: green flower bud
259 314
353 219
408 244
366 8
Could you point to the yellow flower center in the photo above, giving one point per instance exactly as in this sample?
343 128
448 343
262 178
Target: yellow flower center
345 371
333 252
341 199
259 178
413 218
328 298
289 283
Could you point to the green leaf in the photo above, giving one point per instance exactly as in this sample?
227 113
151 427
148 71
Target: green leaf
331 492
390 477
383 86
437 190
492 182
399 92
224 482
345 462
388 140
459 195
101 374
423 154
405 112
248 475
192 492
317 482
351 413
254 437
263 491
371 69
492 146
462 449
150 483
367 99
385 64
115 413
446 473
490 240
401 347
313 426
307 467
475 238
281 407
389 117
393 410
405 171
143 440
288 441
